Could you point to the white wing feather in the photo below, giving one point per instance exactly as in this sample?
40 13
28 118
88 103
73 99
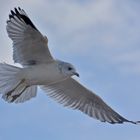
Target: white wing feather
72 94
29 45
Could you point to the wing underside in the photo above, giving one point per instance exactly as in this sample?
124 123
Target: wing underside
29 45
72 94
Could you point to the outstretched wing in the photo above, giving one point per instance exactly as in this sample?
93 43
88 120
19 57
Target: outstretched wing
72 94
29 45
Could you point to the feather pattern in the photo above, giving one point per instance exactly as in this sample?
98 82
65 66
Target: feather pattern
28 43
9 79
72 94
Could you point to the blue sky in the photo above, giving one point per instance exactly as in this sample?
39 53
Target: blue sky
101 38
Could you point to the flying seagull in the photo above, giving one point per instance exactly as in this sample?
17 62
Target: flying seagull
30 49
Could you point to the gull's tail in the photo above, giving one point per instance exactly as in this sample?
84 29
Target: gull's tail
12 87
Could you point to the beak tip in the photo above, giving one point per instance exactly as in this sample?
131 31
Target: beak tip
77 74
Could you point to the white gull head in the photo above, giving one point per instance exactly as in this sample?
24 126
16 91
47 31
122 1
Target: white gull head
67 69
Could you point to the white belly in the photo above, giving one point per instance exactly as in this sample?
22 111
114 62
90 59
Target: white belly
42 74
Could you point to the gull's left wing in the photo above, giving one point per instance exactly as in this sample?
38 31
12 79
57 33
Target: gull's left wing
29 45
72 94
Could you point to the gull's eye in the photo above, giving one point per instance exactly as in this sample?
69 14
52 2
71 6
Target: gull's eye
69 68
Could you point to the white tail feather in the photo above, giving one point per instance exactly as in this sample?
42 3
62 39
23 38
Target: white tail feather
12 88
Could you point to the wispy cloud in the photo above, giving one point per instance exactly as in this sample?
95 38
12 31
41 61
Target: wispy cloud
110 28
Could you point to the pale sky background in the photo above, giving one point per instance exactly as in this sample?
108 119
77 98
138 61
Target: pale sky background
102 39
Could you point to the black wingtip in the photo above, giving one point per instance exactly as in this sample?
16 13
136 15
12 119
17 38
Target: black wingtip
137 122
19 13
11 16
12 12
134 122
123 120
19 8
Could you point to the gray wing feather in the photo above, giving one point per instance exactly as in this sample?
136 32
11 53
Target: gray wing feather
72 94
29 45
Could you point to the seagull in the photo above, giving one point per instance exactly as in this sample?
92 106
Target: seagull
39 68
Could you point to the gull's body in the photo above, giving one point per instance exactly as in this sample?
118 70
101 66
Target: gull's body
37 75
30 49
